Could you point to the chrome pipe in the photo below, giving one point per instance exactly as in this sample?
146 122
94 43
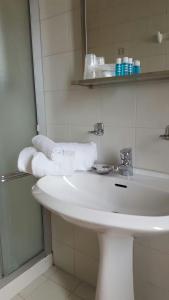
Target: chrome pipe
12 176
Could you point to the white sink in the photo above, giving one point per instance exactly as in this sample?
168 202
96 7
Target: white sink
119 209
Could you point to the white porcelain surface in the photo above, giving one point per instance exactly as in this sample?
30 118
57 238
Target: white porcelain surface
97 203
118 208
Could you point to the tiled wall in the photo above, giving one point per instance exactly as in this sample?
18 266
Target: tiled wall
134 115
129 27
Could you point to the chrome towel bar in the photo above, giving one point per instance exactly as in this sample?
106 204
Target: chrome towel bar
12 176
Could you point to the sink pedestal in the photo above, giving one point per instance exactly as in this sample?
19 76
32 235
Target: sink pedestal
115 278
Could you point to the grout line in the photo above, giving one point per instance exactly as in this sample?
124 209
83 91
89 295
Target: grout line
59 14
62 52
143 245
95 259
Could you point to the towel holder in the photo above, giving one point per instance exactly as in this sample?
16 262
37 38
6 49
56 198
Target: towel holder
12 176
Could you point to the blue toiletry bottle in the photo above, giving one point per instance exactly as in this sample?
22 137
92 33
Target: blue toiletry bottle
118 69
130 66
125 64
137 67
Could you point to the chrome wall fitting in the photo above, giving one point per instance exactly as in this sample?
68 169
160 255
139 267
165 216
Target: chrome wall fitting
98 129
165 136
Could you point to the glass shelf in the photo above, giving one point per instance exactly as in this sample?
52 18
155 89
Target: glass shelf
161 75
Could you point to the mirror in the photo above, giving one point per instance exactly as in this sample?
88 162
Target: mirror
133 28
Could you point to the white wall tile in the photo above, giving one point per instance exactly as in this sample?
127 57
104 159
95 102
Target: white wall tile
114 139
57 73
117 105
151 151
58 133
84 106
151 266
52 41
50 8
74 30
63 231
86 242
61 69
153 292
63 256
152 105
80 134
159 242
86 268
57 107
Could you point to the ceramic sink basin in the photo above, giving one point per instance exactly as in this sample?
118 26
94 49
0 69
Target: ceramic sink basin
119 209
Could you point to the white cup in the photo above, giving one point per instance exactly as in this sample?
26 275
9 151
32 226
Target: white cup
90 63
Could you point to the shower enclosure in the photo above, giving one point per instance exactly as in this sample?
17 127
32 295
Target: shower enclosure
21 222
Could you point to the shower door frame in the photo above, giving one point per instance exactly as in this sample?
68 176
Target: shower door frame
35 27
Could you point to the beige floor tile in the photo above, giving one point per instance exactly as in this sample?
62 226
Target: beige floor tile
34 285
85 291
74 297
49 291
17 298
64 279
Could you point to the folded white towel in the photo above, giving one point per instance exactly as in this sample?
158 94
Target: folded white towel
43 166
85 153
25 159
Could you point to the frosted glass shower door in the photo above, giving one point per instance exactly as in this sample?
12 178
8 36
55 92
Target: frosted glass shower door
21 231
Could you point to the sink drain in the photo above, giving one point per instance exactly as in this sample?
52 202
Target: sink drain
121 185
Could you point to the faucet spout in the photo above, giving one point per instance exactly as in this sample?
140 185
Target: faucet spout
126 166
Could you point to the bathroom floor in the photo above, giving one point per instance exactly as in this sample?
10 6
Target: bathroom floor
57 285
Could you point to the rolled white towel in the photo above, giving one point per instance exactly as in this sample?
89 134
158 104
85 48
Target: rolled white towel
25 159
47 146
85 153
43 166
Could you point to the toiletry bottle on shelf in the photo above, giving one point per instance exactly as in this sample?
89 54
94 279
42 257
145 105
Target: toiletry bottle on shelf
130 66
125 66
118 68
137 67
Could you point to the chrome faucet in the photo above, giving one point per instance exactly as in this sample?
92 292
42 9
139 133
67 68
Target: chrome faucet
98 129
165 136
126 166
